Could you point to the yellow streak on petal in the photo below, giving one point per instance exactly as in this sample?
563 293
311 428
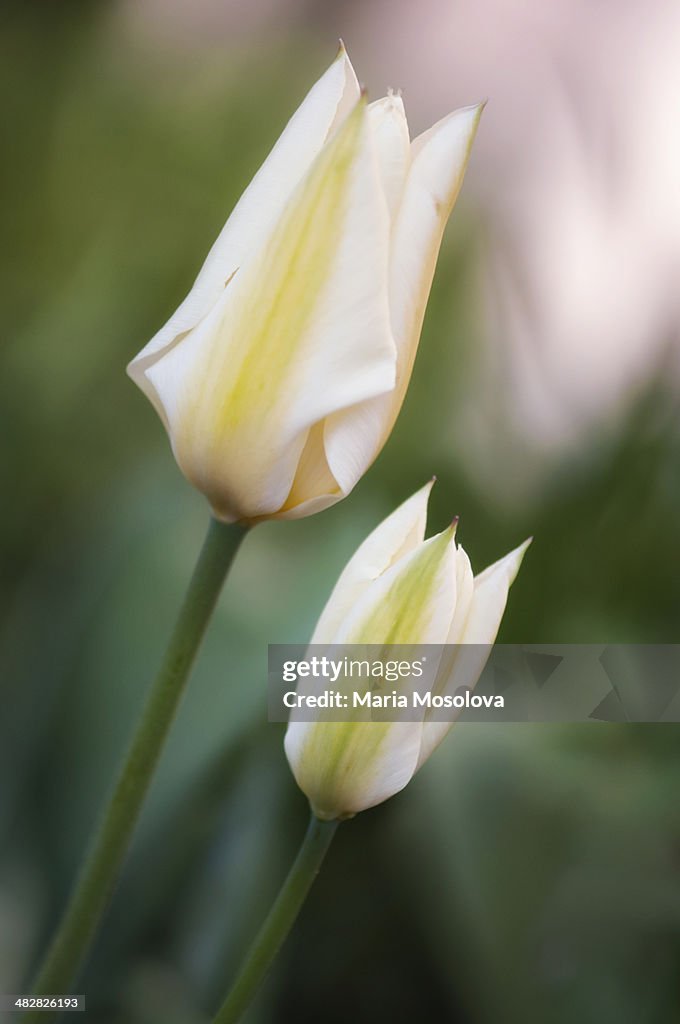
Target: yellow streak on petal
275 310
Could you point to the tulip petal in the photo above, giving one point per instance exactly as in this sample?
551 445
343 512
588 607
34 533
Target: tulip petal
450 655
412 602
302 331
390 133
312 478
346 767
465 588
439 158
326 105
438 161
490 597
400 533
478 636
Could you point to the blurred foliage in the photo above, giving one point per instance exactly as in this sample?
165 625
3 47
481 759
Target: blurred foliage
528 873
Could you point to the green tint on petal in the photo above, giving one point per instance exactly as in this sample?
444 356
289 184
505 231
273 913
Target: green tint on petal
343 755
404 611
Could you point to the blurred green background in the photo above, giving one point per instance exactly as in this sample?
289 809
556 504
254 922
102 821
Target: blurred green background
529 873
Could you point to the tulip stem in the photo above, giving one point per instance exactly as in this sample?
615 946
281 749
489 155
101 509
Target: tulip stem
279 921
110 842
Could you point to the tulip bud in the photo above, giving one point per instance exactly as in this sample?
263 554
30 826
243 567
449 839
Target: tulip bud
398 588
280 376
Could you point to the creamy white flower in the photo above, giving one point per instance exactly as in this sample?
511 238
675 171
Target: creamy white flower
398 588
280 376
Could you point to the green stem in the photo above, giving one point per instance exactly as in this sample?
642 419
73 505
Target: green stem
280 920
110 843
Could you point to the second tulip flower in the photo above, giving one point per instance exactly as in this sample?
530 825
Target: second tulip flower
398 588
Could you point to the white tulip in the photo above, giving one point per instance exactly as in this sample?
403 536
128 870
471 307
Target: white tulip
398 588
280 376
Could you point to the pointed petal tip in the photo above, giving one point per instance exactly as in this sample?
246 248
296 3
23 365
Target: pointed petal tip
467 116
507 567
477 112
421 498
342 57
516 557
471 114
443 152
524 547
449 533
342 54
426 489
